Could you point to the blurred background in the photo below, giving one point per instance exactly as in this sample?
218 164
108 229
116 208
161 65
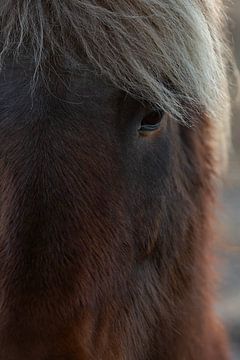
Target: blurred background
229 213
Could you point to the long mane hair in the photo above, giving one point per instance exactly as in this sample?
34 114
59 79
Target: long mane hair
164 52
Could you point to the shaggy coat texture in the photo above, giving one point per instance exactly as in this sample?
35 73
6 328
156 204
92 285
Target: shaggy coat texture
105 236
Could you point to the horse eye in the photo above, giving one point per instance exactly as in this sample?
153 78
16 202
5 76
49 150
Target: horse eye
151 123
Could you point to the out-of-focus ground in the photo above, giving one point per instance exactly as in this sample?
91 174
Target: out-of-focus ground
229 265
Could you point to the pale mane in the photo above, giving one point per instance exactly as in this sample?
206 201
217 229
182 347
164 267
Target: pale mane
166 52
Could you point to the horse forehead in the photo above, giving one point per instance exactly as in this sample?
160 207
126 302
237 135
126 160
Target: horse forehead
87 84
82 85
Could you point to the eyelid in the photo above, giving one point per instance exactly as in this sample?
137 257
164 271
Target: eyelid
151 122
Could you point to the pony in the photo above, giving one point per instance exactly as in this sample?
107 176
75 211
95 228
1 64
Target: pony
114 124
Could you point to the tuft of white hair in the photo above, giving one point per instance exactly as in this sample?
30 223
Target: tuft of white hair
165 52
